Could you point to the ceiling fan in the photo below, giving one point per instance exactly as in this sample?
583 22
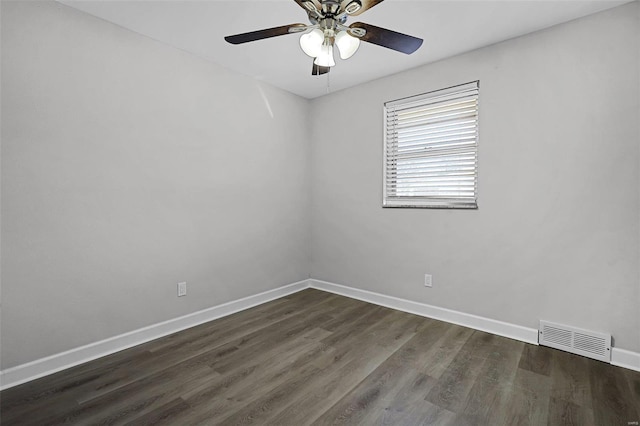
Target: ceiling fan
327 28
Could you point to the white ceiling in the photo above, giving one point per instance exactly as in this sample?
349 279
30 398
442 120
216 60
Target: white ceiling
448 28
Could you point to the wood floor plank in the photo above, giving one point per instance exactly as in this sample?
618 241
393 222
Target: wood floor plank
226 328
217 353
247 373
434 415
350 364
612 398
570 378
407 405
528 400
349 312
453 387
65 385
634 385
385 379
567 413
319 358
493 383
537 359
443 351
269 369
322 392
240 324
136 398
244 387
372 397
120 369
165 415
358 324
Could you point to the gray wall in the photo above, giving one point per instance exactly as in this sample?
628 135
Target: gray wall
128 166
556 234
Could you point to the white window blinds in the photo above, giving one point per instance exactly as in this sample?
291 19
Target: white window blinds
430 152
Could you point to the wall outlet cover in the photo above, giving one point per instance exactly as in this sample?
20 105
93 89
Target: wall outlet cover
428 281
182 289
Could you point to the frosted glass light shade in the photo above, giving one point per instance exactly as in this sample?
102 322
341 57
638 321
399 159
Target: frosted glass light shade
311 42
347 44
325 58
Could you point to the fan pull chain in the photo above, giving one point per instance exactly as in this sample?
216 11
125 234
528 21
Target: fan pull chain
328 83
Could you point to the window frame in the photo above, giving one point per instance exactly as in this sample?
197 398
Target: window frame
430 98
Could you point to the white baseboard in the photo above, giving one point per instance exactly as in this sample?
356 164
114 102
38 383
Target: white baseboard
512 331
625 359
54 363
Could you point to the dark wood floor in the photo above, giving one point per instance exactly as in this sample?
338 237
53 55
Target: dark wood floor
318 358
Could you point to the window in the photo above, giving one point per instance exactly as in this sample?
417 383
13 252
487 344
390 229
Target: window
430 149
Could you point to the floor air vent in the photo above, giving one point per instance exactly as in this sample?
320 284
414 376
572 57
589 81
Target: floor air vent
582 342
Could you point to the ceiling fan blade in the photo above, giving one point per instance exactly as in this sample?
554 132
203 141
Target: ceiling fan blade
366 5
318 70
309 5
387 38
266 33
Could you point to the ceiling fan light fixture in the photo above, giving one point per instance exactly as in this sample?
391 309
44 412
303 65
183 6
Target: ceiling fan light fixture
325 58
347 44
311 42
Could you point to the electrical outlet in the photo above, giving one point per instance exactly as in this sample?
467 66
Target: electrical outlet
428 280
182 289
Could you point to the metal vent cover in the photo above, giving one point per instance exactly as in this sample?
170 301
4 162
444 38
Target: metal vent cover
575 340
